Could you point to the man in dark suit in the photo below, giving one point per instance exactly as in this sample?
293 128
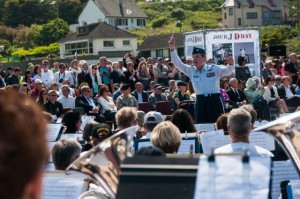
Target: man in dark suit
235 94
290 68
139 93
90 106
287 92
84 75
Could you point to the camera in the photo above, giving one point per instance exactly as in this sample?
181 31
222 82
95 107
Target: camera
61 81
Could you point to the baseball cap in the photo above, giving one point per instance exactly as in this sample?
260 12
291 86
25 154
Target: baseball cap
181 83
38 81
125 87
198 50
153 117
157 86
101 131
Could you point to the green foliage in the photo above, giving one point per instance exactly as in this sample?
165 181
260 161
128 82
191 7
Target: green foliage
274 35
40 51
51 32
293 46
159 22
27 12
178 14
69 10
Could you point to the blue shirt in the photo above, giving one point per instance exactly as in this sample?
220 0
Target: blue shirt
105 79
205 81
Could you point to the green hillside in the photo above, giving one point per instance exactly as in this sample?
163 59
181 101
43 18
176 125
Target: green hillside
168 17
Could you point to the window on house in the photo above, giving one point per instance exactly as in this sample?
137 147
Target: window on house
239 21
230 11
239 5
126 42
276 14
79 47
251 5
141 22
112 22
251 15
225 16
266 17
122 22
159 53
108 43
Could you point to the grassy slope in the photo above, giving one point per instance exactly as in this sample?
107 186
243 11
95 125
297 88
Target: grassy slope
200 13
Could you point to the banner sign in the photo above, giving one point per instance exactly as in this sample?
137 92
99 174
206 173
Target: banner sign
222 43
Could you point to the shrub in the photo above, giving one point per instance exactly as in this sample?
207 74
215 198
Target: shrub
159 22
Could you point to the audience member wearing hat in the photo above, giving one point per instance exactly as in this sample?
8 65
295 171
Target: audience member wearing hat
53 107
38 85
156 96
126 99
151 119
100 132
205 79
181 94
160 71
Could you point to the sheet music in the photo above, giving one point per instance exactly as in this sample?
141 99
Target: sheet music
53 131
185 146
206 127
76 136
219 180
50 146
59 120
282 170
216 139
49 167
62 186
213 139
295 184
144 144
183 149
85 119
260 123
263 140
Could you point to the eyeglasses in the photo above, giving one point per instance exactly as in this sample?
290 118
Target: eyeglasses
87 91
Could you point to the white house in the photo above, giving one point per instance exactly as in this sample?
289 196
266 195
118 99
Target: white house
98 39
124 14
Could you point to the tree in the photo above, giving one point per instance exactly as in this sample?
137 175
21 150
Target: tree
27 12
69 10
51 32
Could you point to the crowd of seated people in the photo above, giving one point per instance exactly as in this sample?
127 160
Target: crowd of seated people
93 89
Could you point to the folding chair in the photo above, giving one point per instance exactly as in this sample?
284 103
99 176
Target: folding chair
164 107
145 106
